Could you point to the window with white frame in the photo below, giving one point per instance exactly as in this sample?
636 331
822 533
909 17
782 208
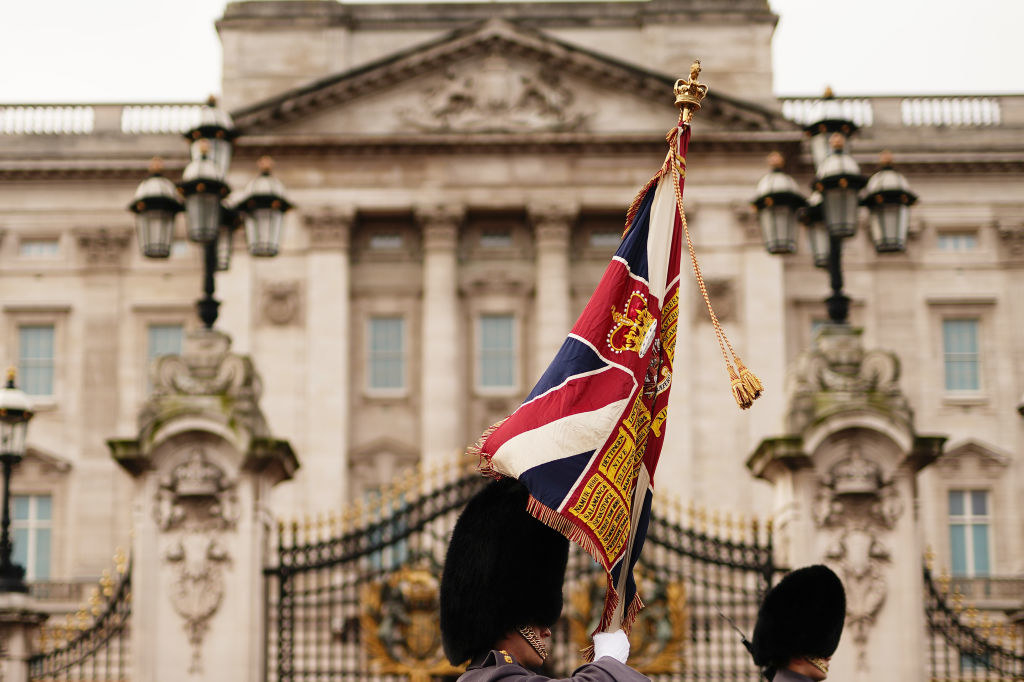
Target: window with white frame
36 350
38 248
32 527
957 241
961 355
164 339
969 521
386 353
496 351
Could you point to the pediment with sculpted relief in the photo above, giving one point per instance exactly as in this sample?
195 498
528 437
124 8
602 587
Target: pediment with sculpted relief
972 457
492 78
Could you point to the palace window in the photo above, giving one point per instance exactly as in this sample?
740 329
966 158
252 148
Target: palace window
957 241
605 239
496 239
386 354
31 527
38 248
970 553
36 359
386 241
164 339
496 351
961 354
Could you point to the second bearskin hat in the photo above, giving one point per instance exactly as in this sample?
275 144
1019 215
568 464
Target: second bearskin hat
504 569
801 616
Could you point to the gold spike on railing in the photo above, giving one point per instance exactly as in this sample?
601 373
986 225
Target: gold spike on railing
120 561
755 529
929 558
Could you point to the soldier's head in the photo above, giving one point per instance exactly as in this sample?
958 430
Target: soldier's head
799 623
501 587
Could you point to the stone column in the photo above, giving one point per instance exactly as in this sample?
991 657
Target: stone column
443 352
328 332
20 617
845 492
552 231
203 464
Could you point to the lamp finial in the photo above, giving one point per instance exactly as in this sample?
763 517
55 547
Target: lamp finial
689 93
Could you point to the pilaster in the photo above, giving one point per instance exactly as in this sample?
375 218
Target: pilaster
552 226
441 398
325 477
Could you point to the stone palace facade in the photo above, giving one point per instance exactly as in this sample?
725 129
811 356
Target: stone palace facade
460 174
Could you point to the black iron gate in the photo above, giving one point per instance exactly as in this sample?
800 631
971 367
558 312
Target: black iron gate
355 597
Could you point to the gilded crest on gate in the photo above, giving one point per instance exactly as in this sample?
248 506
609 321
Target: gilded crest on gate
401 632
634 328
657 642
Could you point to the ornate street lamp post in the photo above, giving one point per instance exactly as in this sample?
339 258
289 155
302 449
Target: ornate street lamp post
15 413
829 215
211 217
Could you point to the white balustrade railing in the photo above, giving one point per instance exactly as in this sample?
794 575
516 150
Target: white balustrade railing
143 119
950 111
807 110
47 120
913 111
159 118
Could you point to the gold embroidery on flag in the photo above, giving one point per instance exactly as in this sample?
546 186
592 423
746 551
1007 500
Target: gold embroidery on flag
669 316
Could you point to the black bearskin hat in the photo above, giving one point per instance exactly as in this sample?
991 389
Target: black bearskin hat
504 569
801 616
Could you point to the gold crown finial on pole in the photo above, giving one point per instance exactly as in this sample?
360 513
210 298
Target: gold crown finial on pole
690 93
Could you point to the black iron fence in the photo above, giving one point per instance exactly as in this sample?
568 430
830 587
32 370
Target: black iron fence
355 598
93 644
964 645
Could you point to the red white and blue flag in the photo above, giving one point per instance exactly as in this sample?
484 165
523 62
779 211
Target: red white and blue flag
586 440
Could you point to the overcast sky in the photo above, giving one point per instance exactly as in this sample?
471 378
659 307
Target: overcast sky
168 50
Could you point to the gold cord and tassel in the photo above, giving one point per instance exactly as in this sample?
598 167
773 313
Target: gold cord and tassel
746 387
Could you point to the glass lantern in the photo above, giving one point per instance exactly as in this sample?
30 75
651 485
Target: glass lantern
262 207
777 202
203 190
155 204
888 199
216 128
839 181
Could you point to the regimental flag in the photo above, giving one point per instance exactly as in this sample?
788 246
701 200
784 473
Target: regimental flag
586 440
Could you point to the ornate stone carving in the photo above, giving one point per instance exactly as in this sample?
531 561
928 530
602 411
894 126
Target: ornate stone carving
102 247
858 503
281 303
496 96
839 375
195 506
330 229
399 624
1012 236
205 368
659 635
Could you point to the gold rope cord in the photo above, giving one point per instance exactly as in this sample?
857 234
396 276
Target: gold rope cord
746 387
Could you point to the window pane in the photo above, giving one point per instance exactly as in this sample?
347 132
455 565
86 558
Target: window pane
496 239
979 542
979 503
35 348
44 507
20 507
19 552
957 241
608 240
956 502
38 248
386 353
958 549
165 339
960 352
41 569
497 368
385 241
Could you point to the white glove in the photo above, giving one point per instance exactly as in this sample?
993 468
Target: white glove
614 644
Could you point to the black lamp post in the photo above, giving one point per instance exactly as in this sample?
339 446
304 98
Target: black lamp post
829 215
15 413
211 218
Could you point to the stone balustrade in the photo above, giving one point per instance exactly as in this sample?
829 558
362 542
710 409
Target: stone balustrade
884 111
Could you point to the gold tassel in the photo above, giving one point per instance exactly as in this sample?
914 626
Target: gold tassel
750 380
739 391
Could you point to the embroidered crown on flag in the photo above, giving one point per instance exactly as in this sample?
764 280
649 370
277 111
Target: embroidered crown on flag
587 439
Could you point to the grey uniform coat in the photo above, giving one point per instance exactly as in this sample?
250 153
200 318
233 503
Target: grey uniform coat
499 665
